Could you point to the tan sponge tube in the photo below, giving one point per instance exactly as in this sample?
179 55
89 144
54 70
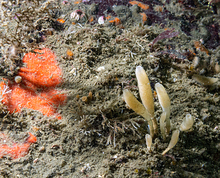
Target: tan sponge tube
187 123
146 93
145 90
164 101
173 141
134 104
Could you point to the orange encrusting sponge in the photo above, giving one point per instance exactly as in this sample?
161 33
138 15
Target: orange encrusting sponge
144 17
18 150
41 69
41 73
45 102
140 4
117 21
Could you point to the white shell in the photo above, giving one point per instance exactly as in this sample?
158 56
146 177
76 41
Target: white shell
101 20
101 68
18 79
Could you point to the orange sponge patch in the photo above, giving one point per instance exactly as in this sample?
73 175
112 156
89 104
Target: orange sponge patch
140 4
144 17
42 73
117 21
18 150
41 68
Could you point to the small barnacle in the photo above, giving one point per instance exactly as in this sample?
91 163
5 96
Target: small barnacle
18 79
77 15
84 99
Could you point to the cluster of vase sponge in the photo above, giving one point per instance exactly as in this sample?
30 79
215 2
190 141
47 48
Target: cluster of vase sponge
147 110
